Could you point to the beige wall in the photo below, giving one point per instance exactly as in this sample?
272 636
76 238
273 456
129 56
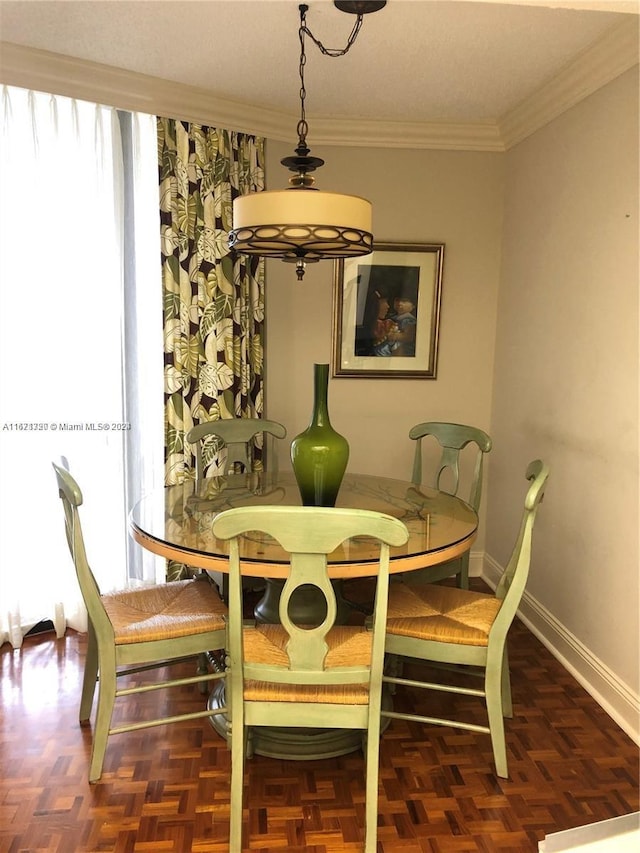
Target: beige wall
566 379
418 196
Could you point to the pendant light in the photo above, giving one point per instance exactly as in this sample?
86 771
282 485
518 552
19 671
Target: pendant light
301 224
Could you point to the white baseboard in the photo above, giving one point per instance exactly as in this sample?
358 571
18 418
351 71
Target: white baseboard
476 564
612 694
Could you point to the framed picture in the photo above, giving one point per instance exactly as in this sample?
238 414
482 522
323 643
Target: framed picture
386 312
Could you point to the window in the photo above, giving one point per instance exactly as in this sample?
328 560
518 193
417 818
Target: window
80 346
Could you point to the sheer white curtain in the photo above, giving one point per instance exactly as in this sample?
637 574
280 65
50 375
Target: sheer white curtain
64 356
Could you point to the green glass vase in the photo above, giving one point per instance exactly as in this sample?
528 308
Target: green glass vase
319 455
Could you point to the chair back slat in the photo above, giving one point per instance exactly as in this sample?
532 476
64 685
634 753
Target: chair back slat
307 647
449 462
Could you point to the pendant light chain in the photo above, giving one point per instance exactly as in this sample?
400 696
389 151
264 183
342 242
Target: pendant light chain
303 127
330 51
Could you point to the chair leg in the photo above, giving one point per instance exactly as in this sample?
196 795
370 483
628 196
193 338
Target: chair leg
90 675
493 683
106 699
463 575
507 707
238 749
372 757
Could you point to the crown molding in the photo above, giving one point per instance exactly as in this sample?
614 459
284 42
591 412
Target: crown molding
482 136
44 71
613 54
76 78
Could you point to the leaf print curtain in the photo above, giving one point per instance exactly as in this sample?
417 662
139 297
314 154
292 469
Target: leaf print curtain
213 298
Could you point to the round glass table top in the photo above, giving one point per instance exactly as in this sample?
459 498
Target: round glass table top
175 522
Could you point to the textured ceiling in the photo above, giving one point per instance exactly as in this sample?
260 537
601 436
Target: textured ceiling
447 61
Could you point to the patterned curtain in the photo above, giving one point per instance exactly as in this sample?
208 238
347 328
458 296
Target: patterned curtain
213 298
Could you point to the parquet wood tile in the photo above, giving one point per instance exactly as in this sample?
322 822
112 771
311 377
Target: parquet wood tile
167 789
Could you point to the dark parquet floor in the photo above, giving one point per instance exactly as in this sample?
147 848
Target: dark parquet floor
167 788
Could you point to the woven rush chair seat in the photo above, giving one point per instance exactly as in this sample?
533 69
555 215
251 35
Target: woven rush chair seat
441 613
170 610
347 646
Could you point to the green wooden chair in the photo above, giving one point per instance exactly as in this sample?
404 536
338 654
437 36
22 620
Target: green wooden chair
136 630
326 676
236 434
453 438
446 625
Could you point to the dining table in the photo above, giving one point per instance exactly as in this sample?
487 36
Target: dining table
175 523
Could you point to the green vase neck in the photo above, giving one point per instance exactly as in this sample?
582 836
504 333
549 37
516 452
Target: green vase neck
320 414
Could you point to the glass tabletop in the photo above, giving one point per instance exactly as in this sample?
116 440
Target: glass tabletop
176 522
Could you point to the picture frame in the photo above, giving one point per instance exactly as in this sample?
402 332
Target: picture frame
386 312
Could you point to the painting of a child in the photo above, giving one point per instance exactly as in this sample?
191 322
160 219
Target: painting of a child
399 328
389 294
